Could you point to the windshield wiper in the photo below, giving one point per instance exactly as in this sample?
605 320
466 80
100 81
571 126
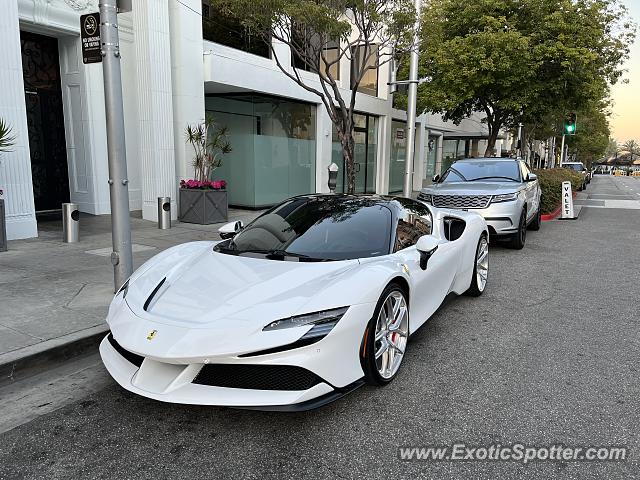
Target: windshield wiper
493 176
279 253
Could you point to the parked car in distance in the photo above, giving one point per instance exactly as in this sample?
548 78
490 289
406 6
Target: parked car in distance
503 190
580 168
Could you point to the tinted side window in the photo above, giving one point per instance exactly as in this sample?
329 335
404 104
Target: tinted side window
414 221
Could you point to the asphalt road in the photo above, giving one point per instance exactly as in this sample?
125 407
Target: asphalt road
549 354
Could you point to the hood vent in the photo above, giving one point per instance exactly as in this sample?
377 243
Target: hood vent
153 294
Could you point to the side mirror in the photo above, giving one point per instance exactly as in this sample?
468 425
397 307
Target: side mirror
436 178
531 177
229 230
426 246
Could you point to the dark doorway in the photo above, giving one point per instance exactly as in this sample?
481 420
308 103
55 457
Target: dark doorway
45 120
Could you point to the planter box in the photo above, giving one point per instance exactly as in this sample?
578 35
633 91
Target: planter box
203 206
3 229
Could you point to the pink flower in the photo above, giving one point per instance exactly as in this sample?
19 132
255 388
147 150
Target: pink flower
203 185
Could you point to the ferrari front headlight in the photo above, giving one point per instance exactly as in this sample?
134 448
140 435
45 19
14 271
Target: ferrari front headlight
324 317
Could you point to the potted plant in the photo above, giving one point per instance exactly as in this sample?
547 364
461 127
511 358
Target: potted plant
6 142
202 200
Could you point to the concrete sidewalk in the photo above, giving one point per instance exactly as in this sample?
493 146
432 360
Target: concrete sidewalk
54 296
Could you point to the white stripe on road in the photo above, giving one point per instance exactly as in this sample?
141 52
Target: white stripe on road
624 204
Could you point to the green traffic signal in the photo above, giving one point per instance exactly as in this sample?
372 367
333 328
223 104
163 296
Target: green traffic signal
570 124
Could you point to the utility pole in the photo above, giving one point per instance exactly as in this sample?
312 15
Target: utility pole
411 105
519 154
562 151
121 257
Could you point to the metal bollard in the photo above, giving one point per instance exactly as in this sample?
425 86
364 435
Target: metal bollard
3 228
164 213
70 223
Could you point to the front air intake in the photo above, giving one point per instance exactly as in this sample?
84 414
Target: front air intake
257 377
126 354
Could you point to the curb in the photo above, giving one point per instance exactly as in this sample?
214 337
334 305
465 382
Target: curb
34 359
553 215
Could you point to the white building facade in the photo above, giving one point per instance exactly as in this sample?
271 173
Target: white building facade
173 75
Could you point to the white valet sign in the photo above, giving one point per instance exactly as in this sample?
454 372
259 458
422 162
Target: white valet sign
567 201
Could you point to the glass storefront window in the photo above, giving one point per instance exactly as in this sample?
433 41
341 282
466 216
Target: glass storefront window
366 143
369 82
220 28
430 154
331 55
274 148
316 52
398 155
449 153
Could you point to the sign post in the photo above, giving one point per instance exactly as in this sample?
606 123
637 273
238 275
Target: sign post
121 257
567 201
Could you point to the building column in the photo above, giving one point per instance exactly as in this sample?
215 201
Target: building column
498 147
187 79
155 104
384 154
15 166
474 148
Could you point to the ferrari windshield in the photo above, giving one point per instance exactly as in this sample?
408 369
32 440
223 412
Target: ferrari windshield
319 228
467 171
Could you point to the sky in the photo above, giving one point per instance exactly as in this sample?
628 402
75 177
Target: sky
625 120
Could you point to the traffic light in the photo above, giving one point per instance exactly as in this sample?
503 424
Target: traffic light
570 124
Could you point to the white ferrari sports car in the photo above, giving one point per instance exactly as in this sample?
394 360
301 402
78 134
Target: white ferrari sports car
315 297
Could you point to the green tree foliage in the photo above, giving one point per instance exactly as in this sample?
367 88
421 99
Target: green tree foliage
520 60
209 143
313 28
591 140
612 148
633 148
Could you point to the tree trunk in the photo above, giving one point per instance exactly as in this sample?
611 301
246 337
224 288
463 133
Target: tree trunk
491 144
348 145
348 153
494 130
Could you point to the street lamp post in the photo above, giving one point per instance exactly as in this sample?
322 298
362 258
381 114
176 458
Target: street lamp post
411 105
121 257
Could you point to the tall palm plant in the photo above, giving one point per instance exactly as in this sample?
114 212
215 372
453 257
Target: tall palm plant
632 147
209 143
6 139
